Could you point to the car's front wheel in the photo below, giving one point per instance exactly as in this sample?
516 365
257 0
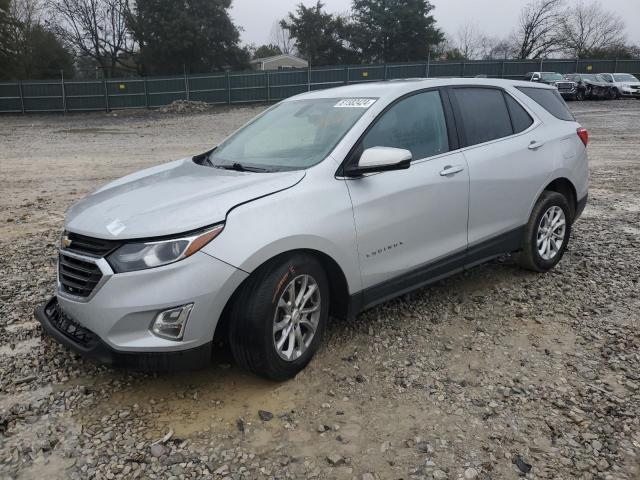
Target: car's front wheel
279 316
580 95
546 234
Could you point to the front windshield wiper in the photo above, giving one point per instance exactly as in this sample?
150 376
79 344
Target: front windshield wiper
238 167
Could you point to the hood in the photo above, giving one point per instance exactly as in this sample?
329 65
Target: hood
596 83
170 199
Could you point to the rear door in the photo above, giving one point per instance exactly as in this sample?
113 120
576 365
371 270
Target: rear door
503 153
409 222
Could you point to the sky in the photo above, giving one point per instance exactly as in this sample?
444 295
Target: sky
495 18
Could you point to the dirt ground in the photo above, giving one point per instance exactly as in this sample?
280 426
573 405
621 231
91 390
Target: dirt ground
496 373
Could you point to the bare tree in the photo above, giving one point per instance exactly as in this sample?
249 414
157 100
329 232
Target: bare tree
587 27
281 38
537 33
470 40
96 29
498 49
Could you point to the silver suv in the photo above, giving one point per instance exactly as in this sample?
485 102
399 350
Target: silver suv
626 85
326 204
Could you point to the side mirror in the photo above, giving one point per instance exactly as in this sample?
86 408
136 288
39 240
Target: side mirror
380 159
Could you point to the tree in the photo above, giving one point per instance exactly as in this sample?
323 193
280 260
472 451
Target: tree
46 56
537 33
587 27
498 49
319 36
280 37
621 51
196 34
7 48
32 50
394 31
95 29
264 51
469 41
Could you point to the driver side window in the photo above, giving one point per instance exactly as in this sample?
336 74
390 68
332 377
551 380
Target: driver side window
416 123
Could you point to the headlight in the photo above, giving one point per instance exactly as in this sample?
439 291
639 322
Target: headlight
142 255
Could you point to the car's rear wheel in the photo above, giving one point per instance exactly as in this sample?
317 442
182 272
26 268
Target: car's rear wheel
279 316
546 234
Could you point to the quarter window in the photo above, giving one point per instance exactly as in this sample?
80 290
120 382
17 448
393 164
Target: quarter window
484 114
519 116
550 100
416 123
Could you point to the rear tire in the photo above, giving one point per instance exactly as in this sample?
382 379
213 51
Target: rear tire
546 234
273 331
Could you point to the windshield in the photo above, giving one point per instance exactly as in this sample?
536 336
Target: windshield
551 77
292 135
625 77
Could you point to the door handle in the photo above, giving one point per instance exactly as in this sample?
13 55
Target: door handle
535 145
451 170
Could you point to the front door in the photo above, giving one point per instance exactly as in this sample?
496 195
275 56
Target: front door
411 224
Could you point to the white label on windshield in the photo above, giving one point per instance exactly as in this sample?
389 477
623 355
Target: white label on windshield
355 103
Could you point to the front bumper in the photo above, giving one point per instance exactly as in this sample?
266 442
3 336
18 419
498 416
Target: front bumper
568 93
114 322
83 341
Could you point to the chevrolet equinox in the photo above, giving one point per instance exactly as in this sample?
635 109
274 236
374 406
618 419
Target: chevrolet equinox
325 204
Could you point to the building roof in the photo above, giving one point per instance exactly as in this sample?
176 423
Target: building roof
277 57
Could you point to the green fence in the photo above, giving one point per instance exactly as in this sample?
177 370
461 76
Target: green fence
263 86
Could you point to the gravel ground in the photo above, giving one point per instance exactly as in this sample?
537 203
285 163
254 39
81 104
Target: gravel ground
492 374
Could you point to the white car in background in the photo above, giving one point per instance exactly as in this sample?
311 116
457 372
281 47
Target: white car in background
626 84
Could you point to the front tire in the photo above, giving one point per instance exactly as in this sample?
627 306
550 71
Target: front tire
279 316
546 234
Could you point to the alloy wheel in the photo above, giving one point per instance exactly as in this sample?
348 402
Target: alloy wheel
551 232
297 317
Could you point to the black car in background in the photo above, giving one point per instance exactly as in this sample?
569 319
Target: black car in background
566 88
592 86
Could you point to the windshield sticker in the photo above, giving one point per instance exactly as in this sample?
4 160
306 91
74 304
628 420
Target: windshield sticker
355 103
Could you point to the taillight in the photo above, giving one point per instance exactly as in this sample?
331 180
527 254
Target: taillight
584 135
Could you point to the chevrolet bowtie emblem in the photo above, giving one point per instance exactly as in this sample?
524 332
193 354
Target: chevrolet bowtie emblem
65 242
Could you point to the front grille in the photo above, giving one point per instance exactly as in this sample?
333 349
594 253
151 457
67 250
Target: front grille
77 277
95 247
68 327
565 86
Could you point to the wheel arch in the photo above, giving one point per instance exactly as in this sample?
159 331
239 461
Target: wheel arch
565 187
338 287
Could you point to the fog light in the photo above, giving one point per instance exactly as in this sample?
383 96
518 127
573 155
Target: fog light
171 323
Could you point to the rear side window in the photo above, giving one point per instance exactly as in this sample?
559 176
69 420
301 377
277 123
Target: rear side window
550 100
519 116
484 114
